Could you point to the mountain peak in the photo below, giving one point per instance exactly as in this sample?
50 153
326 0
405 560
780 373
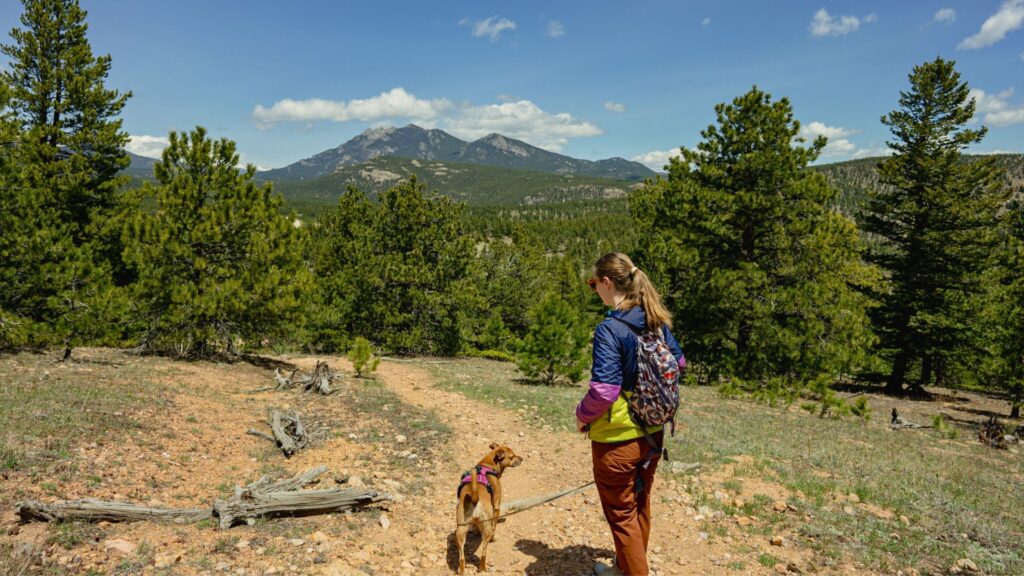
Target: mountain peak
412 141
505 144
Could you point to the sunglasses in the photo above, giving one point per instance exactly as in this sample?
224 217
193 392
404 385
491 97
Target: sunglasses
593 284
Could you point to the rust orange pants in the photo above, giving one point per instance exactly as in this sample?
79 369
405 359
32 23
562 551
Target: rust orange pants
628 513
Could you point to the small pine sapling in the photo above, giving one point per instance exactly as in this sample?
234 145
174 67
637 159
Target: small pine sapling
362 358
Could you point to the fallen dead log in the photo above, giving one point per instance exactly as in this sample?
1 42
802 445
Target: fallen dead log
89 510
252 505
264 499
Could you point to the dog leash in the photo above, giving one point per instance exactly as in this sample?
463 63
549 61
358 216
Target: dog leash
535 504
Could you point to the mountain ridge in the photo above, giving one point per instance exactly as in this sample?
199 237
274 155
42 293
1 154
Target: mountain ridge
414 142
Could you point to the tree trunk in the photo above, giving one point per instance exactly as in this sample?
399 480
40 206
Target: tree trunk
926 371
1018 399
899 372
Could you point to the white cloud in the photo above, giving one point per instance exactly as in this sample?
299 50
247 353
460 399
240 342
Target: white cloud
945 15
615 107
705 22
996 108
395 103
555 29
838 138
824 24
492 26
871 18
522 120
516 118
871 151
148 146
1009 18
656 159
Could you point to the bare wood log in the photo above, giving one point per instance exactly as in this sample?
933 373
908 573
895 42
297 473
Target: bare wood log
310 476
89 510
261 435
249 506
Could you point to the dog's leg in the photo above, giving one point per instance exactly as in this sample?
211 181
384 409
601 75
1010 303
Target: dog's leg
487 534
461 529
496 513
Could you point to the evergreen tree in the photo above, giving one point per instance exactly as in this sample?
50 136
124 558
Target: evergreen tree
1004 318
362 358
555 346
507 276
217 263
930 225
71 139
757 268
396 272
63 148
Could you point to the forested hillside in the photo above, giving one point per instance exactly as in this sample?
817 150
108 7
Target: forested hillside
474 184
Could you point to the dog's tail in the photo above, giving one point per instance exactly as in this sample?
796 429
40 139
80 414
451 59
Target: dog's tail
472 485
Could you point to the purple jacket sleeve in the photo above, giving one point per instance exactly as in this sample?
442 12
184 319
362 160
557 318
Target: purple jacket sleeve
605 376
673 345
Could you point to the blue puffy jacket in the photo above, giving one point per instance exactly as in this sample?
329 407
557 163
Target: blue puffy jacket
613 376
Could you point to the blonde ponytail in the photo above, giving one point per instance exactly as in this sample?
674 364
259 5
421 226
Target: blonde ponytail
636 286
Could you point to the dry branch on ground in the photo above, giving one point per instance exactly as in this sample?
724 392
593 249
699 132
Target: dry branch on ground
262 498
289 433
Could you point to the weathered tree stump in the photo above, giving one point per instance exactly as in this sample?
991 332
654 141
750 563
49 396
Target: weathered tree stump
289 433
89 510
992 434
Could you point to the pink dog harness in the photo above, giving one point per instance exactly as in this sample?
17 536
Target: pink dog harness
481 477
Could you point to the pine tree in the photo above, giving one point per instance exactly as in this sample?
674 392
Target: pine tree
396 272
930 224
1004 314
218 264
64 148
555 346
757 268
71 138
362 358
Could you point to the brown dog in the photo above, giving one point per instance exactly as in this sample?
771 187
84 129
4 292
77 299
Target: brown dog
480 500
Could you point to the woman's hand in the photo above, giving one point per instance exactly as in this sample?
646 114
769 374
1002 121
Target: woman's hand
582 426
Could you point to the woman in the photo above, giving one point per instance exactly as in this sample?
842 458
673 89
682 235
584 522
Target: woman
619 446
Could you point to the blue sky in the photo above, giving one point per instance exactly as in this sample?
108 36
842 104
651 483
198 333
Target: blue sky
593 79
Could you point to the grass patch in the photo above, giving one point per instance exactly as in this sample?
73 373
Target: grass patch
425 434
499 383
67 535
45 406
947 489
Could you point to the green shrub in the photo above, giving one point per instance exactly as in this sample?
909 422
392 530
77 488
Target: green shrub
362 358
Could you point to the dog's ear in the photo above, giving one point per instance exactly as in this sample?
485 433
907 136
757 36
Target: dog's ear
499 456
494 445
